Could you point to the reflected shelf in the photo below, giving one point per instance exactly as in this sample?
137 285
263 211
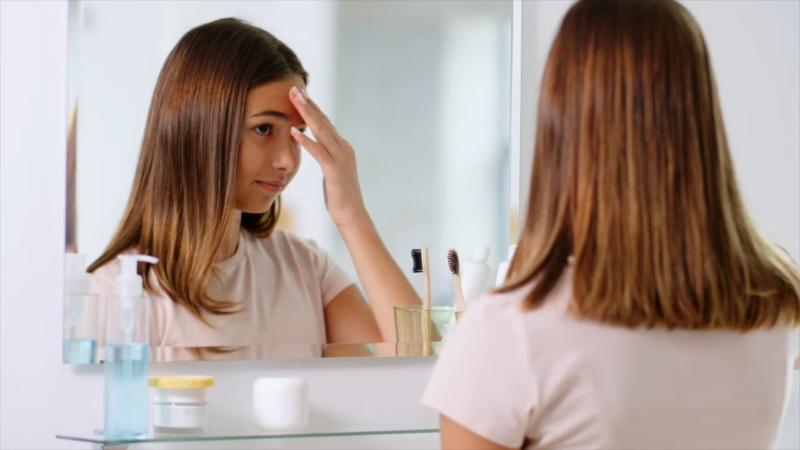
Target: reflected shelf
248 433
282 352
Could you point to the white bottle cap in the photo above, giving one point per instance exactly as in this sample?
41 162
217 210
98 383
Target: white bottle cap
512 249
481 253
129 282
77 279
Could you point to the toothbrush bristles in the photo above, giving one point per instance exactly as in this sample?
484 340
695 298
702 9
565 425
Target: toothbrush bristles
416 256
452 261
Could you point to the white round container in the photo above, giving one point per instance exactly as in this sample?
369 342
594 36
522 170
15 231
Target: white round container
180 404
280 403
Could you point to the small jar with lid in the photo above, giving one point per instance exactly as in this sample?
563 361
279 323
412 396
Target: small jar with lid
180 404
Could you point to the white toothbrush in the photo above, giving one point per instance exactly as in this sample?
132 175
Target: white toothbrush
452 262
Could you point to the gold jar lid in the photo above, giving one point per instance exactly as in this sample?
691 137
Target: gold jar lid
182 382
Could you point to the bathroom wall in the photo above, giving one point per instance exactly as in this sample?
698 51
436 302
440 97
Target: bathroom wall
755 50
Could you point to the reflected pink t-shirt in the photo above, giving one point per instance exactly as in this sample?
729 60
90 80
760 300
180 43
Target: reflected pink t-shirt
283 283
545 380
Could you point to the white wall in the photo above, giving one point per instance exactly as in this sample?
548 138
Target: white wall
755 50
432 162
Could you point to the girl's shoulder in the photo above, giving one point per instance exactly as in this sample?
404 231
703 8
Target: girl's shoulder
284 242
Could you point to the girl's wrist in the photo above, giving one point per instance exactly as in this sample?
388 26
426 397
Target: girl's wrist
357 223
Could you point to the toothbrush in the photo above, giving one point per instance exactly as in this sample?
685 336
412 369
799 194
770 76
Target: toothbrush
420 259
452 262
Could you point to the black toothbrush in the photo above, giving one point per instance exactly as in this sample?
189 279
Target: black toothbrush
420 259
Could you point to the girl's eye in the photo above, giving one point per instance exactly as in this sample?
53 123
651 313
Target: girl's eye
264 130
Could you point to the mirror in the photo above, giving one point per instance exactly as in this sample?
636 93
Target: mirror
421 90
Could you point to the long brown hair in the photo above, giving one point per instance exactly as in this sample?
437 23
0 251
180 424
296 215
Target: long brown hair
183 192
633 177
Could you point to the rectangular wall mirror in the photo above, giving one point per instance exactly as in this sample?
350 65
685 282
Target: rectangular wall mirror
422 92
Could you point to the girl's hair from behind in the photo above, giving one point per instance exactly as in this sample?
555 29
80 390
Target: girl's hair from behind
633 176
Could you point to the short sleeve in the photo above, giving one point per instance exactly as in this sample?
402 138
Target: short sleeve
332 278
481 380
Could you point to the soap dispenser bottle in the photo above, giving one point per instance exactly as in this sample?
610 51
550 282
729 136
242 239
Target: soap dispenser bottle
127 355
80 313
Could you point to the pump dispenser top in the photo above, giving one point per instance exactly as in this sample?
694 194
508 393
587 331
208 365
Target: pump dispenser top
130 286
129 282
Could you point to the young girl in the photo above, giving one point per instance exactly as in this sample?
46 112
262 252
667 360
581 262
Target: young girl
642 309
222 142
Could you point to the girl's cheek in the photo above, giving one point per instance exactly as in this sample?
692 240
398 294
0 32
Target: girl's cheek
298 153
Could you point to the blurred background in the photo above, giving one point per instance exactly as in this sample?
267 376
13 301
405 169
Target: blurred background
420 89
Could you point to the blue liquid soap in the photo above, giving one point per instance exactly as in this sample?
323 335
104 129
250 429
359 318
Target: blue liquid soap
80 351
127 375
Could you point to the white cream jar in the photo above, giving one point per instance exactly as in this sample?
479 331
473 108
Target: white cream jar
280 404
180 404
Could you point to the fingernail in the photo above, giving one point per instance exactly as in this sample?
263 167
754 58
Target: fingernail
296 132
305 93
299 95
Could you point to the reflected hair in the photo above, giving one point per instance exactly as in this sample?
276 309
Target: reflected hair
183 192
72 197
633 177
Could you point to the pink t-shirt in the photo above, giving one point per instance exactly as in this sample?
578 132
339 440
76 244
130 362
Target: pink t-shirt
282 282
544 380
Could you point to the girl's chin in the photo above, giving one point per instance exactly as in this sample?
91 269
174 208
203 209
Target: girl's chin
259 208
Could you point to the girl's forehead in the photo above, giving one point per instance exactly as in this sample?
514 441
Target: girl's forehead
273 97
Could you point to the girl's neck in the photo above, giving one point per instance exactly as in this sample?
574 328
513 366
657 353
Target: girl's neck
230 242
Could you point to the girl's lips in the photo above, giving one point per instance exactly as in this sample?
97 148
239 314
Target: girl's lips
270 186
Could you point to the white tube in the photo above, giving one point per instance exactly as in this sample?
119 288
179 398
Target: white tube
474 273
502 269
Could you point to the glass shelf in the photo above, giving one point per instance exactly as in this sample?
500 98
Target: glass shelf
244 433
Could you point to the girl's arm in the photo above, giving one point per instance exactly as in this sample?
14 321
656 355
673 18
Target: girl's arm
349 319
385 284
454 436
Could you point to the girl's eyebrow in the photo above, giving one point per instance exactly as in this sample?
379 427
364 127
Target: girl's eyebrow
276 114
